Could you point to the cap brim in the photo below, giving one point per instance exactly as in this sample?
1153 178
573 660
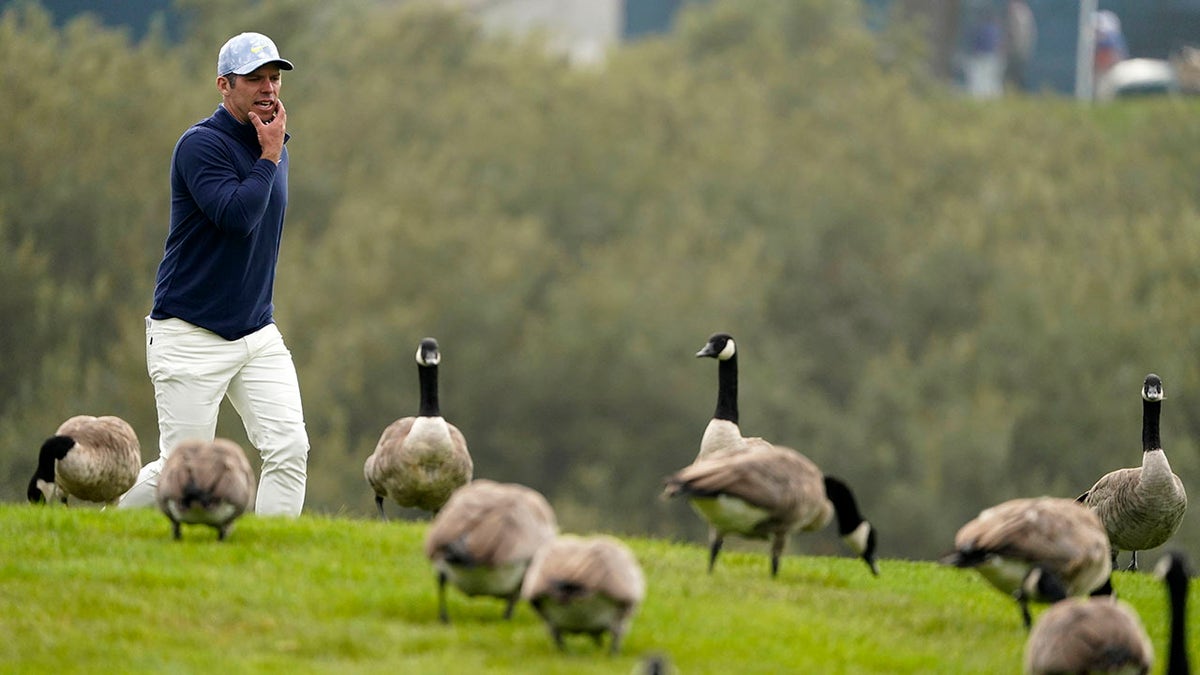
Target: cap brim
284 64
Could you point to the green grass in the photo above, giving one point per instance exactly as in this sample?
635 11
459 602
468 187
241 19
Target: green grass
83 590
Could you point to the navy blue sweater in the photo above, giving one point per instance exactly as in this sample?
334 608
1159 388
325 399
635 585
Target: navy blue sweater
227 206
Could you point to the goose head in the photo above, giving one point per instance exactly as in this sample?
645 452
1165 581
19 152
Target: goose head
1152 388
427 352
720 346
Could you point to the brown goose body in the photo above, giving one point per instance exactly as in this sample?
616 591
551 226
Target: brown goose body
1007 542
420 461
591 585
1088 635
484 538
94 459
768 494
206 483
1141 507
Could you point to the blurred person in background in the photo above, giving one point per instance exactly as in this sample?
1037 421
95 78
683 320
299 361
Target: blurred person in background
1110 42
1021 42
984 64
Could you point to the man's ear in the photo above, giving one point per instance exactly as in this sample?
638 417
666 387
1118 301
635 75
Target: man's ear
223 85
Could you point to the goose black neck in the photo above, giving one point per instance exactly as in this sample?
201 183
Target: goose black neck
727 390
429 391
1177 658
55 448
45 466
844 506
1150 438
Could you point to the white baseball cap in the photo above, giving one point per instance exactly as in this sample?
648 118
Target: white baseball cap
245 52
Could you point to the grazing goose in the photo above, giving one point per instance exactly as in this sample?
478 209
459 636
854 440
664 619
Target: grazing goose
1141 507
1173 570
769 493
1088 635
723 433
419 461
95 459
1010 541
585 585
484 537
206 483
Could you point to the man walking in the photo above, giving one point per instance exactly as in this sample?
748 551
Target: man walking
211 332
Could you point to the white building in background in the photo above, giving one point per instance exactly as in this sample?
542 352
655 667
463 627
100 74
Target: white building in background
581 30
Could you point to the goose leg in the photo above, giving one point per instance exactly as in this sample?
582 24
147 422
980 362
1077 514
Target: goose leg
776 552
512 603
1025 612
615 646
379 505
713 549
443 616
1132 561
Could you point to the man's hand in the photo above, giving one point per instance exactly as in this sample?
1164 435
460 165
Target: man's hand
270 134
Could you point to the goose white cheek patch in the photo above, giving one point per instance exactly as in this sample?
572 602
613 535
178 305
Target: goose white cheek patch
857 540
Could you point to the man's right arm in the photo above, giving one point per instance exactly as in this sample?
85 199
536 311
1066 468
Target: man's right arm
233 204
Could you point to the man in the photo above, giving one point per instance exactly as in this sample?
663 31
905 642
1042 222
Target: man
211 332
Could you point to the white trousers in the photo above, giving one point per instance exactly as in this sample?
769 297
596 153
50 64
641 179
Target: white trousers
192 370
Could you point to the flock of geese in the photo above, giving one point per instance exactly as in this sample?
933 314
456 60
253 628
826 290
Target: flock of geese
502 540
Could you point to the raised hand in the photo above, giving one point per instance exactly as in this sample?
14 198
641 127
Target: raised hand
271 133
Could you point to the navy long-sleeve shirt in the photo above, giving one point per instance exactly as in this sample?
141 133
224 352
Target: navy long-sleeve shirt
227 207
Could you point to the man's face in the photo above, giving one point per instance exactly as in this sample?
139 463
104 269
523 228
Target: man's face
257 92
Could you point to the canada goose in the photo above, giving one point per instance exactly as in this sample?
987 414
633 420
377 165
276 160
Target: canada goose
484 537
1141 507
1173 570
207 483
1009 541
1088 635
95 459
769 493
419 461
585 585
723 433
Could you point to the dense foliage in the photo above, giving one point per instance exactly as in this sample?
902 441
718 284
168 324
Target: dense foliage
944 302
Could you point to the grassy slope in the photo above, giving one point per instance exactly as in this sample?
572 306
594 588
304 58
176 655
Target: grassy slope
83 590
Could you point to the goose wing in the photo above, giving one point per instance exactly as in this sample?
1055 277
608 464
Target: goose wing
1048 530
492 523
599 565
774 478
380 462
232 477
1114 485
102 432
